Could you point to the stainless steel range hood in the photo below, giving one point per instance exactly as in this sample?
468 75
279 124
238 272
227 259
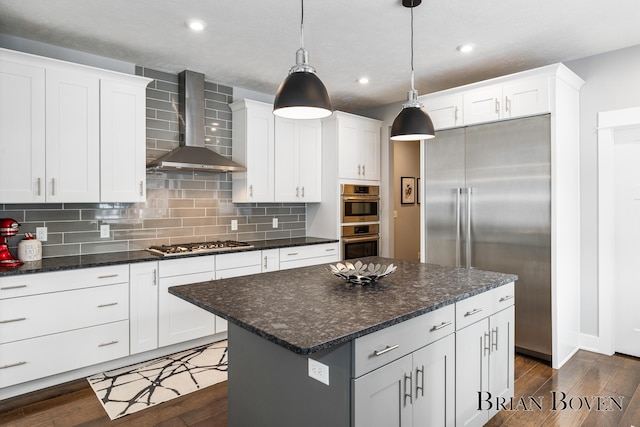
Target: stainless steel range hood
192 154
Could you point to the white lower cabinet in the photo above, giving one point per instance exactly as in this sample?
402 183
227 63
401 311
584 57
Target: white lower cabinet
415 390
179 320
302 256
404 374
270 260
484 356
143 299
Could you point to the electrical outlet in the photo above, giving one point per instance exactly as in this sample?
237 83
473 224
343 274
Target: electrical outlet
234 225
274 222
41 234
104 231
319 371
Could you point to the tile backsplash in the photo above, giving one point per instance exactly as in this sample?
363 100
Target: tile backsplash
181 207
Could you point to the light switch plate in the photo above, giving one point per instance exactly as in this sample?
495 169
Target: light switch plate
319 371
274 223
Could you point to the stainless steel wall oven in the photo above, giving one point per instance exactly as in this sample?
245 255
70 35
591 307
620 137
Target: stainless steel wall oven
360 203
360 240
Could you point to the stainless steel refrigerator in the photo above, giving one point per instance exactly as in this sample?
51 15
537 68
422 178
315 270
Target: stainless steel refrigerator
488 206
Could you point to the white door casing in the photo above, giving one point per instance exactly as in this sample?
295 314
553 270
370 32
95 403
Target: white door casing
627 241
609 123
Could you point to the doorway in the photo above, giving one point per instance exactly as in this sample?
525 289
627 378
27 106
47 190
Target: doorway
406 203
614 128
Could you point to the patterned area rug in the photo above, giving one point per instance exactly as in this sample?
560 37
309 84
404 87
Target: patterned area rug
131 389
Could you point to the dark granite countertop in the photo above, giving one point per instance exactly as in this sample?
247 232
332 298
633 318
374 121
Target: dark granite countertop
308 309
114 258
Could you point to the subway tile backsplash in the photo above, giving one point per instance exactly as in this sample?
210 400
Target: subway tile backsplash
181 207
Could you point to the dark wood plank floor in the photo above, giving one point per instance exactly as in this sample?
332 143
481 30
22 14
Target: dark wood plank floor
585 375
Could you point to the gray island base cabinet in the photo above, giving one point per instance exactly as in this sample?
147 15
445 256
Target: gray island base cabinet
306 349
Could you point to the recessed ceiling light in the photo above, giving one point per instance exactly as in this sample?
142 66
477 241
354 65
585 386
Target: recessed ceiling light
363 80
466 48
196 24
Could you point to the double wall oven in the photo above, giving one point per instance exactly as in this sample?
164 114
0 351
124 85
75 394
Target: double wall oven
360 220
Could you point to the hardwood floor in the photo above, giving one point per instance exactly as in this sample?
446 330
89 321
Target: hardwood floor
586 375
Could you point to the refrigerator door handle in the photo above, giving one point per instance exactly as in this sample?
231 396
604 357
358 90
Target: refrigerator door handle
458 226
468 237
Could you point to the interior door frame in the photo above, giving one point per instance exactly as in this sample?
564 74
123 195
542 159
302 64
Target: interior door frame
608 123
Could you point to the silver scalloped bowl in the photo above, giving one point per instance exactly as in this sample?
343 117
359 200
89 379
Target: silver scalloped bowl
361 274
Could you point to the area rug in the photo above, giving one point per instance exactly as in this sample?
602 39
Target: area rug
133 388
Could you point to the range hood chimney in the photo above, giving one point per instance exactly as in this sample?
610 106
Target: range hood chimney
192 154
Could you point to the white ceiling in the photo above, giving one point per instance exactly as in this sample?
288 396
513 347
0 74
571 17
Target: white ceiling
252 43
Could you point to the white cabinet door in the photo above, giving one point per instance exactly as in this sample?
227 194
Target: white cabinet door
73 136
382 398
501 380
434 376
270 260
483 105
526 97
122 142
445 111
472 372
22 137
369 150
180 320
298 160
143 311
222 324
348 161
253 147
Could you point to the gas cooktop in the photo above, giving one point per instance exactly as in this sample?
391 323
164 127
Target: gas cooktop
191 248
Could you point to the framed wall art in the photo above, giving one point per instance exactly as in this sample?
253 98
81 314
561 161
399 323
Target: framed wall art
407 190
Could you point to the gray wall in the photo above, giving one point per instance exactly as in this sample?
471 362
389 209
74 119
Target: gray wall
181 207
612 83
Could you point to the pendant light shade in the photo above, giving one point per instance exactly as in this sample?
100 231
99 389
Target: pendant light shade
413 122
302 94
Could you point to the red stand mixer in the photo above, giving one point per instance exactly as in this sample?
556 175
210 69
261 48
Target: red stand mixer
8 228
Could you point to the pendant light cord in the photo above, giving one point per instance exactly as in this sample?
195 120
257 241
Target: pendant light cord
412 73
302 24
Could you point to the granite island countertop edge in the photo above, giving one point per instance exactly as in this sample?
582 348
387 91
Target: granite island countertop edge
342 338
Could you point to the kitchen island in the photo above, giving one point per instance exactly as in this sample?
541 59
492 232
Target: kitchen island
307 348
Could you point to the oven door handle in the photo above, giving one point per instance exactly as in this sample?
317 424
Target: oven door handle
361 198
367 238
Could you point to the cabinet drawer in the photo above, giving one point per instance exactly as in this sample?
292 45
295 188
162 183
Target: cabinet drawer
178 267
34 358
241 259
237 272
480 306
304 252
383 346
39 283
37 315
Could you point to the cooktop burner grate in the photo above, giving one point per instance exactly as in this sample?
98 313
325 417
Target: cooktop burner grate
190 248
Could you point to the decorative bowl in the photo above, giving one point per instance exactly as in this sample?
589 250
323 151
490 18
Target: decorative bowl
361 274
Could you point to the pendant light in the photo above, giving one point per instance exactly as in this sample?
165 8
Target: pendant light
301 94
412 123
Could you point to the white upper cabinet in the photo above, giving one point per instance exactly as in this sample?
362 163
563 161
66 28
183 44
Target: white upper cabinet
22 139
358 140
253 147
445 111
72 136
122 155
298 160
71 133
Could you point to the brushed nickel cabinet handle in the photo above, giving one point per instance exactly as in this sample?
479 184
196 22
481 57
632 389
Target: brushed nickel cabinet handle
363 170
251 191
39 187
108 276
109 304
8 288
104 344
17 319
507 298
292 254
53 186
420 386
303 192
265 262
155 277
330 249
440 326
472 312
13 364
410 394
141 188
387 349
